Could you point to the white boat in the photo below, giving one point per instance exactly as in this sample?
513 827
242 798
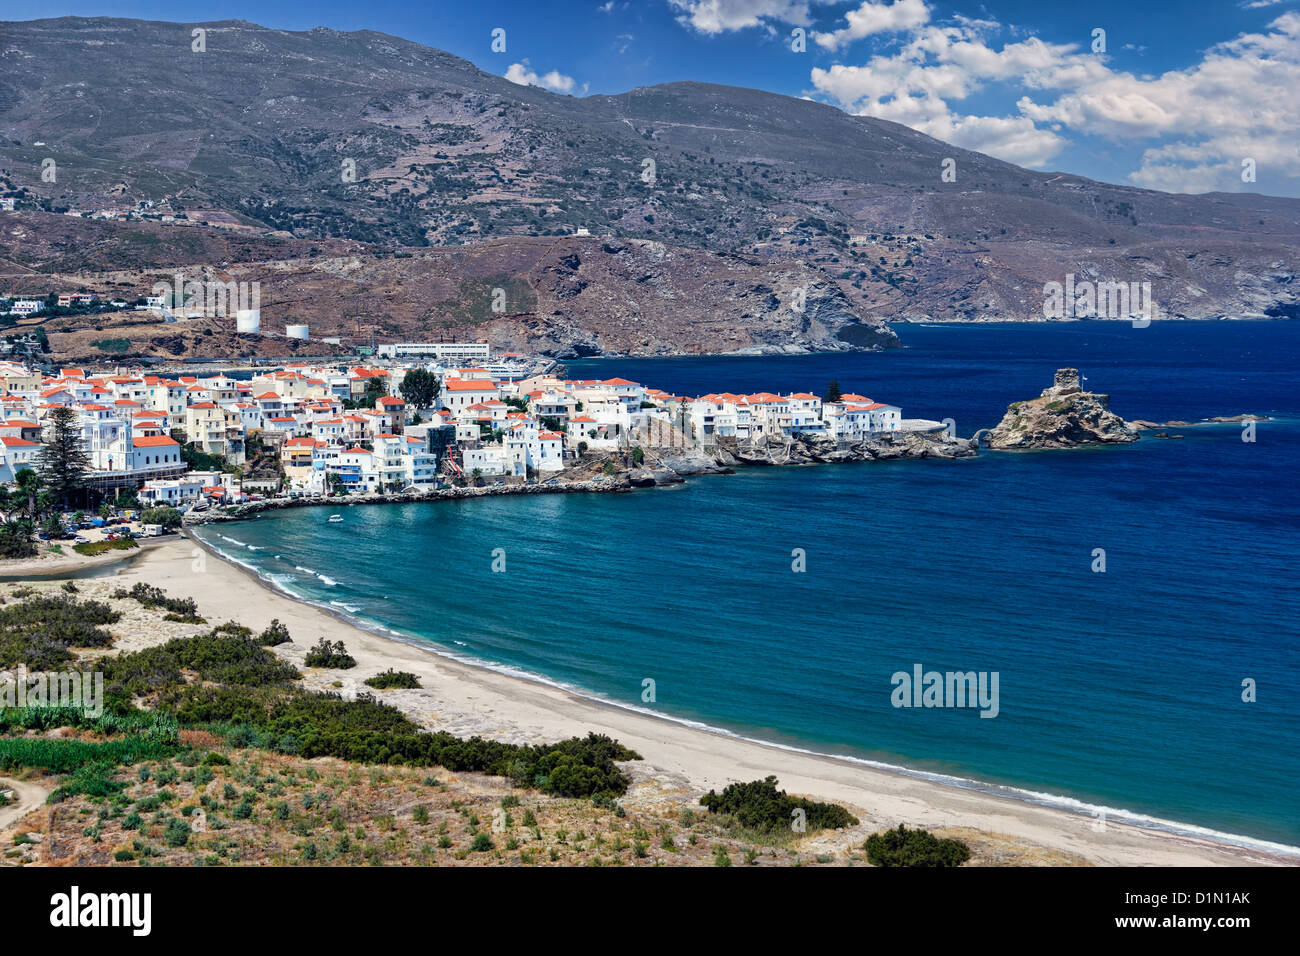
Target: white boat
336 519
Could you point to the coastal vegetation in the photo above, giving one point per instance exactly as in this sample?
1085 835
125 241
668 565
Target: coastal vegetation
274 635
391 679
92 548
758 806
164 515
326 654
41 630
178 609
904 847
229 682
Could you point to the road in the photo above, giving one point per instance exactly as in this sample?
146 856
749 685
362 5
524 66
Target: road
27 797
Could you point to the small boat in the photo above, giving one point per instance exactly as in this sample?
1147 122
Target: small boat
336 519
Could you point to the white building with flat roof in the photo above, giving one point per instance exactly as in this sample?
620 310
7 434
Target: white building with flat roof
442 351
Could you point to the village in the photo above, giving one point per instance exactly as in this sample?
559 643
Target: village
401 426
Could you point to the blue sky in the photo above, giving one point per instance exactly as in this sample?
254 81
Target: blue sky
1181 95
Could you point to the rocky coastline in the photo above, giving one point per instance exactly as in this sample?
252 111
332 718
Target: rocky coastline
659 467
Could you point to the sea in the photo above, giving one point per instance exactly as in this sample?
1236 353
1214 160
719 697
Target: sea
1139 604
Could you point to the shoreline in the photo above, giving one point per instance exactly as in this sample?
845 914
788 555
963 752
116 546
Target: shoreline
467 698
70 564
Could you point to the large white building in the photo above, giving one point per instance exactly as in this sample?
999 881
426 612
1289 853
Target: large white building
442 351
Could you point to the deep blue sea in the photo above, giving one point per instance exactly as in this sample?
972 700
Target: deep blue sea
1120 689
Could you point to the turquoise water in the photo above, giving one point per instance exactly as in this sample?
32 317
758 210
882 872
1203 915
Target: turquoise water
1119 689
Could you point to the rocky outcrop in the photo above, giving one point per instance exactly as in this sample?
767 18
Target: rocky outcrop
811 449
1063 416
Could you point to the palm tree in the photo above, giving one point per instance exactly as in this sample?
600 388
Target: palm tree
29 486
476 476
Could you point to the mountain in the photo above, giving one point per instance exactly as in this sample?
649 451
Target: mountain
255 134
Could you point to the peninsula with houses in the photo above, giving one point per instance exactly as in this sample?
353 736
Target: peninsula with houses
449 421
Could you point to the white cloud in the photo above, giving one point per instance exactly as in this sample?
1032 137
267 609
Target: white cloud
555 81
1237 103
937 65
871 18
721 16
1198 123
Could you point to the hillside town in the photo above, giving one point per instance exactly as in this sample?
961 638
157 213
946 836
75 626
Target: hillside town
194 441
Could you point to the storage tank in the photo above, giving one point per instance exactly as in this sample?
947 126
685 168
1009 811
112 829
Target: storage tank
248 320
296 331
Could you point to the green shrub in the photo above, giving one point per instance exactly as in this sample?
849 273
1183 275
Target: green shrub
274 635
164 515
219 656
904 847
325 654
179 609
390 679
92 548
759 806
177 832
39 630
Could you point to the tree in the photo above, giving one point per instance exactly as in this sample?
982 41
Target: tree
29 486
904 847
833 393
420 388
165 515
62 461
16 528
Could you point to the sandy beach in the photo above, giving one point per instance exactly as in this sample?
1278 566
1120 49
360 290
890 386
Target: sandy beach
465 700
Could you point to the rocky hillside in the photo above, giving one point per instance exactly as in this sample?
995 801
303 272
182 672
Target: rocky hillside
563 296
258 133
1063 416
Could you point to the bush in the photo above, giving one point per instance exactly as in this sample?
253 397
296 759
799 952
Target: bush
904 847
179 609
39 630
274 635
165 515
16 539
219 656
177 832
759 806
92 548
390 679
325 654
